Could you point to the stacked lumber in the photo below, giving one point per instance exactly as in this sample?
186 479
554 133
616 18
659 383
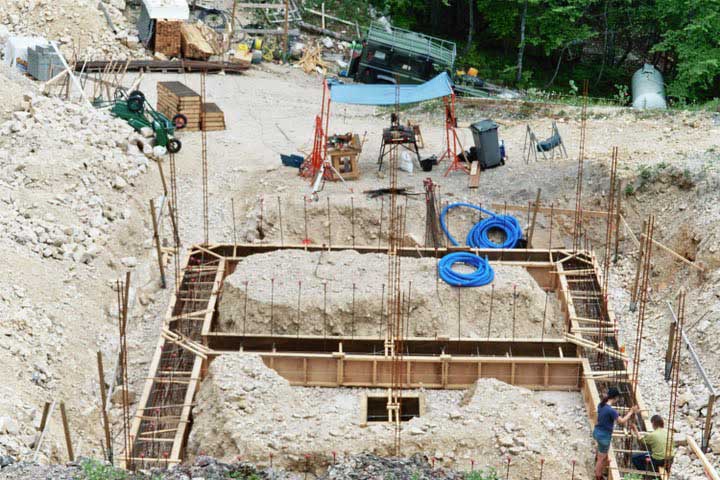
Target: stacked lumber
194 44
213 118
176 97
168 38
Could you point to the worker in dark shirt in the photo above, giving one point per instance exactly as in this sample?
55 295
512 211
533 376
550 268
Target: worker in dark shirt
606 418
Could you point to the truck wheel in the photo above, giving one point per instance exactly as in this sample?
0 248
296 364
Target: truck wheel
174 145
180 121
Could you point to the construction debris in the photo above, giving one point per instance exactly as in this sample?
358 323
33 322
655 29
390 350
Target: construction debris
312 61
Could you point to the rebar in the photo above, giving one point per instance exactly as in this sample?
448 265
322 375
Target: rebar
675 377
577 229
644 297
206 194
282 236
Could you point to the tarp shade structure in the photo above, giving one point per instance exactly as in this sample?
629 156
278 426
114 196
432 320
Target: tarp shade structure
440 86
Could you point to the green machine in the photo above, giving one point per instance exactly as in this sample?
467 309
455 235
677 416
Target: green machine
135 109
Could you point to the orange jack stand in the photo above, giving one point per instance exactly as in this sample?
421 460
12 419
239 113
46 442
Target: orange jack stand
452 141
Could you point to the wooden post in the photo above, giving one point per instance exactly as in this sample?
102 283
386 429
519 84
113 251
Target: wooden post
669 352
43 429
66 429
156 236
43 420
707 430
531 229
103 400
322 16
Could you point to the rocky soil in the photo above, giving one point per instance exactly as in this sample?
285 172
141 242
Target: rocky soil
247 410
327 298
79 26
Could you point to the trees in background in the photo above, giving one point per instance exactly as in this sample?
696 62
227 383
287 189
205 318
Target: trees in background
546 43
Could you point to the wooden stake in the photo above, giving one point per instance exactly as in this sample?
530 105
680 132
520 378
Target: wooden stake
66 428
43 429
103 399
156 237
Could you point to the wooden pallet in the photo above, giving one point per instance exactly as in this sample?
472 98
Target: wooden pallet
214 118
168 38
176 97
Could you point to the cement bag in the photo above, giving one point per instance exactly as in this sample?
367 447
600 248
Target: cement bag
406 163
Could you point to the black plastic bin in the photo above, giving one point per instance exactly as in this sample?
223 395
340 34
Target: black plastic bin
485 135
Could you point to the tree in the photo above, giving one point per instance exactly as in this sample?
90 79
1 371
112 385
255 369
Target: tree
692 39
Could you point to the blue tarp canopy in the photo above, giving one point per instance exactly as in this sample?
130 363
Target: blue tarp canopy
440 86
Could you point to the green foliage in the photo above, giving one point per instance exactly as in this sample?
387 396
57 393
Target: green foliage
96 470
622 95
633 476
489 474
691 32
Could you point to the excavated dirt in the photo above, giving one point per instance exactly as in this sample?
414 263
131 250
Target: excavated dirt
330 305
246 410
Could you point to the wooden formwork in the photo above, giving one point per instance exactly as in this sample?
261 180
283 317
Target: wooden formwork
547 364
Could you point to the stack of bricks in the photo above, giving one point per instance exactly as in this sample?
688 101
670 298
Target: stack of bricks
168 37
175 98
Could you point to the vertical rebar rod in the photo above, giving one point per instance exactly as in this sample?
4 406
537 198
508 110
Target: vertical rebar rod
234 224
675 380
514 310
382 207
324 309
306 240
581 158
272 306
352 220
245 305
382 311
618 217
298 307
329 224
206 194
458 311
542 336
490 309
352 327
282 236
644 297
552 209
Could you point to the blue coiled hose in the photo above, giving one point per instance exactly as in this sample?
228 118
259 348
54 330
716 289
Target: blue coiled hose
477 237
482 275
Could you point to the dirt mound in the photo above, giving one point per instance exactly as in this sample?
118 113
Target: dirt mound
244 409
329 303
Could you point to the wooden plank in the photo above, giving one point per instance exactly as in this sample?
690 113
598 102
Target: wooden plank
709 470
474 180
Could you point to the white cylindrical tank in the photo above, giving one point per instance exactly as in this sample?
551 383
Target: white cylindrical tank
648 90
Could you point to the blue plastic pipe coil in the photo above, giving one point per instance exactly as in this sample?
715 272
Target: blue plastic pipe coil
477 237
482 275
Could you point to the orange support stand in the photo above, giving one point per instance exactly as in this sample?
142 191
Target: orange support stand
314 162
452 141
